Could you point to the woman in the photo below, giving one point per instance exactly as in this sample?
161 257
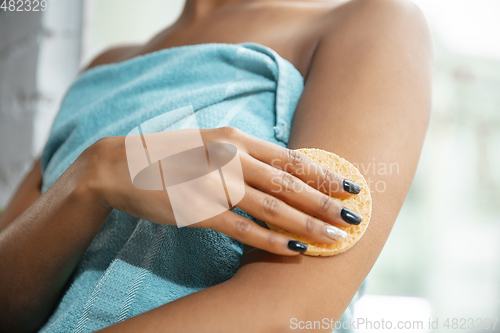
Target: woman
366 66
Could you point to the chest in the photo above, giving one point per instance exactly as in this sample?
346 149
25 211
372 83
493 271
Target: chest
292 32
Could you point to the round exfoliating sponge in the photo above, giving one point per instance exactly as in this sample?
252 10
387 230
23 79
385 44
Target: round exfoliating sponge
361 203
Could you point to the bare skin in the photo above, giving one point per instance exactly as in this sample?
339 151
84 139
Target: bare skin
367 96
291 28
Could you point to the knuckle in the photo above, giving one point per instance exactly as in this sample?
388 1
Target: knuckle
310 225
242 228
325 204
272 240
287 180
271 206
294 157
328 175
229 131
331 180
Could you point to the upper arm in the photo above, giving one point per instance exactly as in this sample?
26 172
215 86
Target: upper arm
367 99
27 193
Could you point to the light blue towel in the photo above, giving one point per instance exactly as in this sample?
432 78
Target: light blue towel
133 265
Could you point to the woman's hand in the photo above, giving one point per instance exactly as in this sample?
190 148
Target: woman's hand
282 187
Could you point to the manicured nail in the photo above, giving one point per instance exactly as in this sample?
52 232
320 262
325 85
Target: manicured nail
350 217
297 246
351 187
335 233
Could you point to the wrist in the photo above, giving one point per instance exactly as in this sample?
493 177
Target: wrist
89 184
87 192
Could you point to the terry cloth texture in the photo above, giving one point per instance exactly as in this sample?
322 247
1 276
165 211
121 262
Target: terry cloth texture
133 265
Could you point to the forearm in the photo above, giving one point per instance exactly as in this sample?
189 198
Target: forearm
237 305
27 193
40 248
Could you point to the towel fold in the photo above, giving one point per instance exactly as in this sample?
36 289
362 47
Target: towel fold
133 265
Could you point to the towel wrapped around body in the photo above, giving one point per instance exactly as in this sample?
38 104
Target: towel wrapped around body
133 265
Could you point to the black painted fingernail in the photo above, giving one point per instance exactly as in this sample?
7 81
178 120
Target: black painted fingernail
297 246
350 217
351 187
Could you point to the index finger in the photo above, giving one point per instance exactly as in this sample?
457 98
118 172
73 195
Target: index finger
311 173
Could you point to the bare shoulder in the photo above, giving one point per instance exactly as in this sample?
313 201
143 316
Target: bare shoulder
371 27
115 54
368 17
392 10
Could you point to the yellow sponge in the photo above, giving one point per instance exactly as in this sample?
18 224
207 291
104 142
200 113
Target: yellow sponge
361 203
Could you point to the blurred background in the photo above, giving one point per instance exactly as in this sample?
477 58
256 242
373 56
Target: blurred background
443 257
